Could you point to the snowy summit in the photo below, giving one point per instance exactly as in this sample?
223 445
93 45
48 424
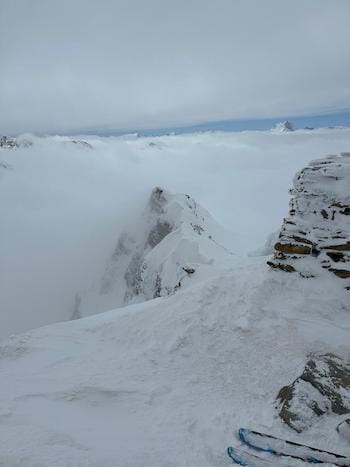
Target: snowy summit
282 127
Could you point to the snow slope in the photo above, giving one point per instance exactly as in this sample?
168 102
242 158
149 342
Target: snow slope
167 382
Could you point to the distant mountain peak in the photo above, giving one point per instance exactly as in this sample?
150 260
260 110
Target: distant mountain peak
283 127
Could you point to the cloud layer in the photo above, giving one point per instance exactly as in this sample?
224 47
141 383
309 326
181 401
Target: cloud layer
135 63
63 205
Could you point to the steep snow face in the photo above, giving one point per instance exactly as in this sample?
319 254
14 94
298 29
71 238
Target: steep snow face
282 127
317 231
171 246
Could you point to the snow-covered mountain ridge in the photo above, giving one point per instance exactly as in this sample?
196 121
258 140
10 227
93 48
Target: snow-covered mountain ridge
173 243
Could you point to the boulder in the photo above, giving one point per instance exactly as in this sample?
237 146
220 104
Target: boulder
323 387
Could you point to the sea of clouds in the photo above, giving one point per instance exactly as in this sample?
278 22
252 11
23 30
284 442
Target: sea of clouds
63 205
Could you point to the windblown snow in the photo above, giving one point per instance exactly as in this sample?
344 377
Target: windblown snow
200 337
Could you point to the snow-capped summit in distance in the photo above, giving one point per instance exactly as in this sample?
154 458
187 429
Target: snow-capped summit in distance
283 127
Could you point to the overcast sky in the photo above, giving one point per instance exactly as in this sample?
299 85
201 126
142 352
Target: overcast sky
69 64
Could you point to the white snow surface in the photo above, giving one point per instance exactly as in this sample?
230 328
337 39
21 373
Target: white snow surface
167 382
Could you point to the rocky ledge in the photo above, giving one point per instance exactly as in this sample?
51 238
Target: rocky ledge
316 234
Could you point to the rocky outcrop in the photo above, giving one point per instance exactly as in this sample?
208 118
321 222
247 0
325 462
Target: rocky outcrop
323 387
81 143
23 141
316 234
7 142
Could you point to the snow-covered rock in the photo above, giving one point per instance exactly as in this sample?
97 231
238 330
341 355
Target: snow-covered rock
7 142
316 234
175 241
22 141
80 143
323 387
283 127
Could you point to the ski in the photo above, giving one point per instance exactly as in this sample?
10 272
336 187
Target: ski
281 447
241 457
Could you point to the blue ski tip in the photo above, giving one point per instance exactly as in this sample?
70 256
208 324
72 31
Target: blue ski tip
243 436
234 455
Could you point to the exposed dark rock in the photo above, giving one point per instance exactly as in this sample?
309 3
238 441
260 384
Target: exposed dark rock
283 267
158 232
82 143
336 256
323 387
189 270
342 273
318 226
291 248
342 247
197 228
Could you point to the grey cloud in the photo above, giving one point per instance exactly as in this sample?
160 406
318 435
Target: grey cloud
136 63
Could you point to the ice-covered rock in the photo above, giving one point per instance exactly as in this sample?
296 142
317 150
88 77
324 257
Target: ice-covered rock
174 242
317 231
323 387
282 127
